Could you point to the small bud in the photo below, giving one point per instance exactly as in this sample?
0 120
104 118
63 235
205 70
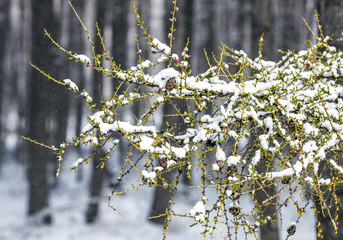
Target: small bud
160 89
176 61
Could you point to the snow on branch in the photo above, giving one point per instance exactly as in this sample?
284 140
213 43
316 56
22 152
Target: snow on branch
275 126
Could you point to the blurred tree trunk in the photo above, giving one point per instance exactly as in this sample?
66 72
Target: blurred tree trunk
203 37
331 16
183 31
203 34
22 80
39 92
59 100
119 18
291 29
4 22
162 196
144 10
97 174
61 71
120 27
159 28
263 24
76 70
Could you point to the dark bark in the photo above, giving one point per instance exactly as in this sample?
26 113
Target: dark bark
143 7
97 174
120 24
4 22
39 91
22 80
119 17
162 196
77 73
331 16
59 100
161 199
262 24
203 34
270 230
60 104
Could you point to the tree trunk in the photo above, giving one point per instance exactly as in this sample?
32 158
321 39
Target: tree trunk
162 195
262 24
331 16
203 34
59 101
39 90
270 230
158 28
22 80
120 24
4 22
97 173
77 73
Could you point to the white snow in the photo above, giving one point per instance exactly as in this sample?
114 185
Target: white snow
161 47
170 163
71 84
198 211
76 163
215 167
336 166
220 155
324 181
83 58
150 176
146 142
233 160
69 200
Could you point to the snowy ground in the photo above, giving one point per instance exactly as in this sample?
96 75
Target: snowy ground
68 201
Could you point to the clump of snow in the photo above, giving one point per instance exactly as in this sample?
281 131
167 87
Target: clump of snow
88 98
324 181
336 166
77 163
158 169
160 47
149 176
71 85
215 167
233 160
83 58
146 142
220 155
198 211
170 163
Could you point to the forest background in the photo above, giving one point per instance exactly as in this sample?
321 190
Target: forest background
32 106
